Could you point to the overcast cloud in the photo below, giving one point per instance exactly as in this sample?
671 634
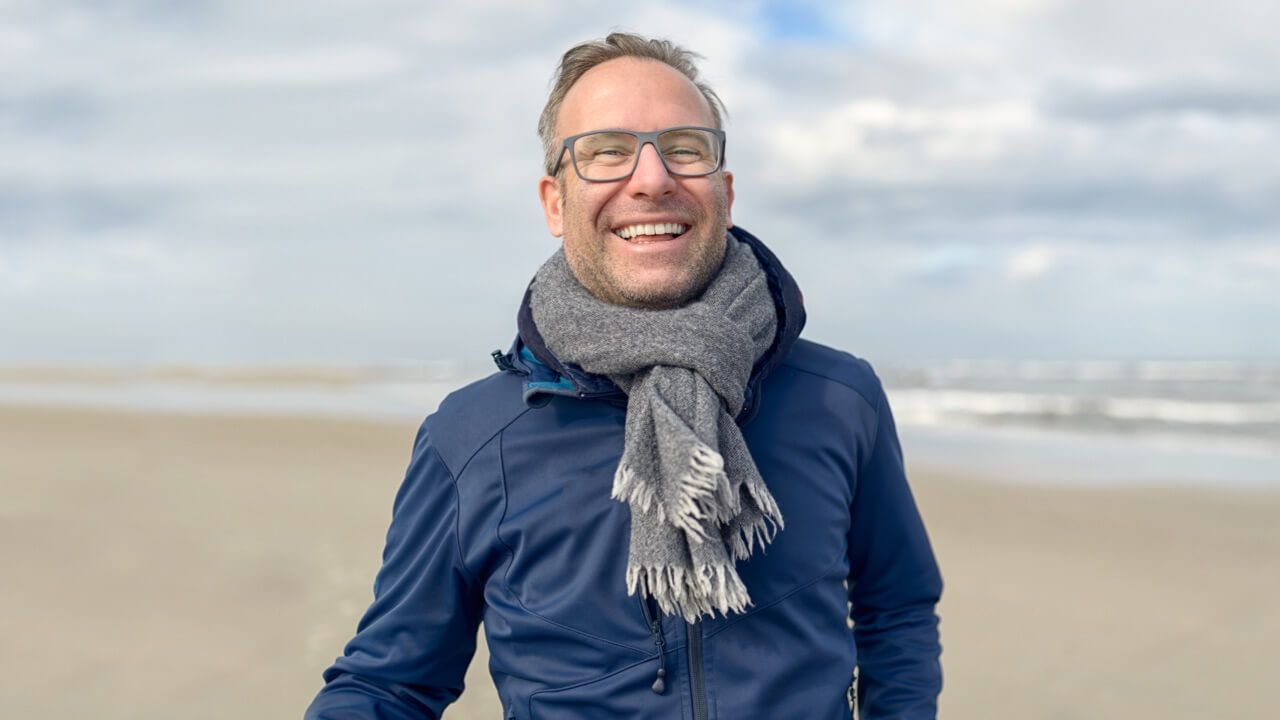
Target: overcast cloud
233 181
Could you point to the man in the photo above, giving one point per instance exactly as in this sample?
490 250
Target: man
664 503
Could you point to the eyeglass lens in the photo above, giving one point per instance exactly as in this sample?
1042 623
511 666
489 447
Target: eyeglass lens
612 155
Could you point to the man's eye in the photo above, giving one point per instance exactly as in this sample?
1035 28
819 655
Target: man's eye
609 154
683 154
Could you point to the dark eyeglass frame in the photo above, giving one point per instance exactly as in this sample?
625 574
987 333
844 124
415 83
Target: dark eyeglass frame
642 139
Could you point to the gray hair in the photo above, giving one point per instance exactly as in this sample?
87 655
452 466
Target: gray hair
582 57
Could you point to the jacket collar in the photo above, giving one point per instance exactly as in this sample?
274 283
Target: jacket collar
547 375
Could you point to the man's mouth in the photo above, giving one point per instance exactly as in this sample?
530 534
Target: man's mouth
651 232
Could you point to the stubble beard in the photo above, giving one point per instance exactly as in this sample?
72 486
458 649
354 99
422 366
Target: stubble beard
609 280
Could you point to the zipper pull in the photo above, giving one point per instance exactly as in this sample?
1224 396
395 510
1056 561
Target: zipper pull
654 620
660 683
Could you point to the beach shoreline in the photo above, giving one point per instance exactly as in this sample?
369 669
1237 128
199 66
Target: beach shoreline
211 565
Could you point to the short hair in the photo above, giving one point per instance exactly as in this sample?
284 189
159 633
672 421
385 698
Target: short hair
582 57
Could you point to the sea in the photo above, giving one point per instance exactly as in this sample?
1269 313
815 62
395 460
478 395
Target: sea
1061 422
1093 422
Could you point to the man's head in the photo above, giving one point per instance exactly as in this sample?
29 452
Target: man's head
631 83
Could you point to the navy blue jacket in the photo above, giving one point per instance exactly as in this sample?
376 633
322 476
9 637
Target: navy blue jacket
505 517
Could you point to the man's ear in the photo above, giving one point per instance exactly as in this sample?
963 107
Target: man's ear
552 197
728 192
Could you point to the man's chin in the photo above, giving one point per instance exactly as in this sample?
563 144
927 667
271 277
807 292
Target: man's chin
650 283
659 295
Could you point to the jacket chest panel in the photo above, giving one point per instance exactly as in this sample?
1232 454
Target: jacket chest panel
808 470
567 540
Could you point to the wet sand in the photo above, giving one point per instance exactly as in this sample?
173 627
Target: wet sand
198 566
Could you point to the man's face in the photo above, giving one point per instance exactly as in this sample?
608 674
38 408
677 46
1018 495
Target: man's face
652 271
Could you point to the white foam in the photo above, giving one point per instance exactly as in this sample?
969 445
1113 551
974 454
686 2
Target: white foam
931 407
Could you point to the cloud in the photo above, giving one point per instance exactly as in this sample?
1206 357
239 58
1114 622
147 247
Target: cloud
948 264
1232 98
317 67
1031 262
885 140
116 263
333 180
30 209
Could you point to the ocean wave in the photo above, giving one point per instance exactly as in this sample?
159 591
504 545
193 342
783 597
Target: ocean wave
1252 372
929 407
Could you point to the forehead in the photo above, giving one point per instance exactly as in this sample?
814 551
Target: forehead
635 94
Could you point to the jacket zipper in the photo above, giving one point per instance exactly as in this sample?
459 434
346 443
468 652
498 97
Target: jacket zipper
697 676
655 629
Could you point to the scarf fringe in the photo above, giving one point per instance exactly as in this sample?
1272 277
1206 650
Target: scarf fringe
689 592
763 523
705 499
631 488
742 540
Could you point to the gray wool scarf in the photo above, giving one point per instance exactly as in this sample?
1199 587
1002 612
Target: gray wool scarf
697 501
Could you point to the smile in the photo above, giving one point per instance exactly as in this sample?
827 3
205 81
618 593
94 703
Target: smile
640 230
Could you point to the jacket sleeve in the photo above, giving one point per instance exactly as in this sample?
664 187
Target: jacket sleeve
894 586
413 645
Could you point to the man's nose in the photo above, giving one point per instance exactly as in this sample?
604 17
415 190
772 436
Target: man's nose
650 177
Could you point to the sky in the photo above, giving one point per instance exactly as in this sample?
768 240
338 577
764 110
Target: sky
343 182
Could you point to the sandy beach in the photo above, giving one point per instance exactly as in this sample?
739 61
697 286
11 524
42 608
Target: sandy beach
201 566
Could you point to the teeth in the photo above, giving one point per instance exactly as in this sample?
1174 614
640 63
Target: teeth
631 231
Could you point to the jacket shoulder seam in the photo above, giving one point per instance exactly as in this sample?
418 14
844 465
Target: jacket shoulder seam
457 494
875 436
457 517
481 445
837 381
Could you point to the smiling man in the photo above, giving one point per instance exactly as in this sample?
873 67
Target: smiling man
665 504
643 229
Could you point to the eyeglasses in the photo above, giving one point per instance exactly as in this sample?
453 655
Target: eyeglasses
607 155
